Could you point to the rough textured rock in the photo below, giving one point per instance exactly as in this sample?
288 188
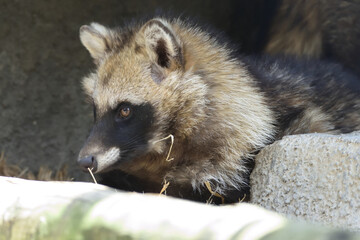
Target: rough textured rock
314 177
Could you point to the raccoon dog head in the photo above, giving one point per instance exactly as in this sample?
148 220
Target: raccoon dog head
140 92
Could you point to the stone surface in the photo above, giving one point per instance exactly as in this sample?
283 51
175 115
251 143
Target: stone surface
69 210
313 177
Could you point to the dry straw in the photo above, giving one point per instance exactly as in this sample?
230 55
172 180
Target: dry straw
165 186
92 175
208 186
168 159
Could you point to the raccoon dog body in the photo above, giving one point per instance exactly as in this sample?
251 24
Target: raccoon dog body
168 77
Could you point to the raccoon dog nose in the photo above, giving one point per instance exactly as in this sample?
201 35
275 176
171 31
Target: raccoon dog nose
86 162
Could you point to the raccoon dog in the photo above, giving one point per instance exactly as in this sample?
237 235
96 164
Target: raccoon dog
167 78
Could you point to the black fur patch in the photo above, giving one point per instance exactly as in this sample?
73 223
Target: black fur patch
123 181
130 135
162 53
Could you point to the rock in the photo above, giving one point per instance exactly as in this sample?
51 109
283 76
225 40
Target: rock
72 210
312 177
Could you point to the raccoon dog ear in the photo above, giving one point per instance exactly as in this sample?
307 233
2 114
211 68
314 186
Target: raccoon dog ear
96 38
162 44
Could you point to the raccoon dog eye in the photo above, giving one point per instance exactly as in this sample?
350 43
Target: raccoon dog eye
124 112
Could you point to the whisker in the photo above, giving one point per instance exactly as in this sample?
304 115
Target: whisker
129 144
133 140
